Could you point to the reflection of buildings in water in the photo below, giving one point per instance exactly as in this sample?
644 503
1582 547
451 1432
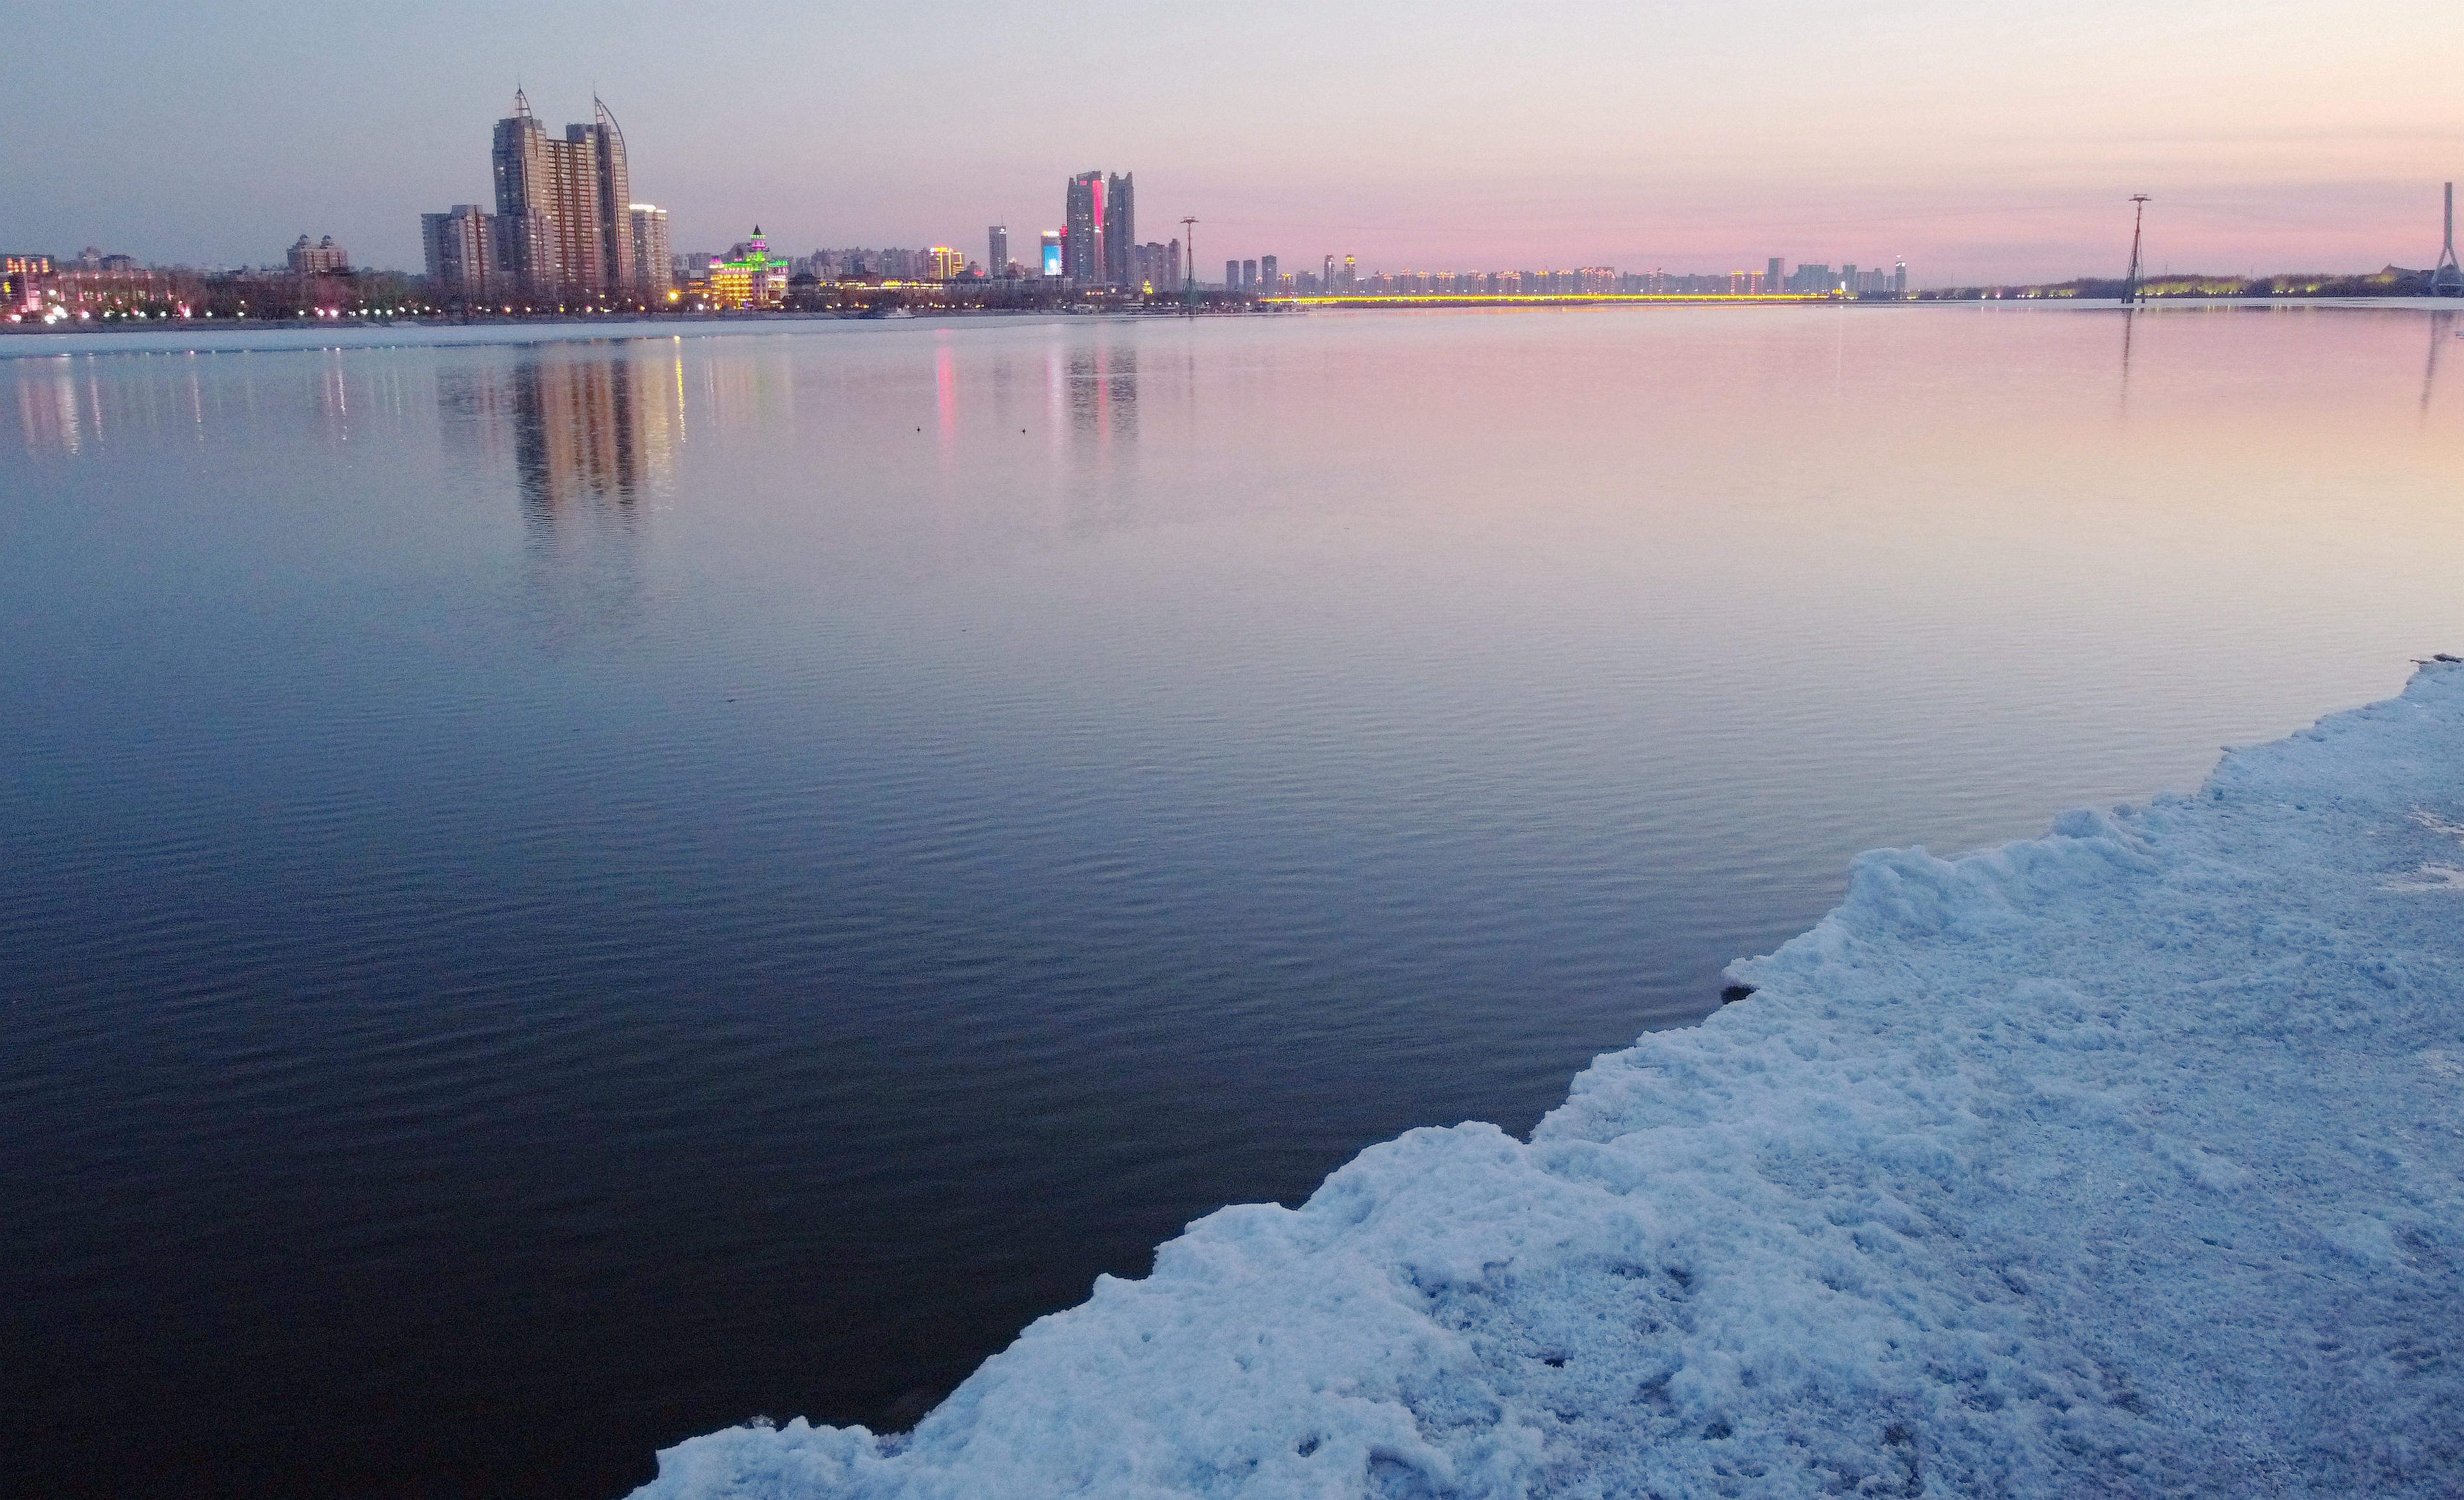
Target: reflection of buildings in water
586 438
1091 393
1104 394
2442 328
744 392
592 444
576 440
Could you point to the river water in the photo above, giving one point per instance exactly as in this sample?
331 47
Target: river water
559 894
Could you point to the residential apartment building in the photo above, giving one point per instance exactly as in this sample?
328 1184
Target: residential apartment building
461 252
647 224
308 259
560 229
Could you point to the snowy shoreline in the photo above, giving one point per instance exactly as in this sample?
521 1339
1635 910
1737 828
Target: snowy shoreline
2126 1160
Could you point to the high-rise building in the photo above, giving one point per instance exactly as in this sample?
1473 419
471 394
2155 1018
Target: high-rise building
1120 229
1172 264
647 224
312 259
996 251
1101 242
1269 279
561 205
618 269
1327 283
1231 276
1055 261
1775 276
1248 276
1084 261
947 263
1351 274
461 246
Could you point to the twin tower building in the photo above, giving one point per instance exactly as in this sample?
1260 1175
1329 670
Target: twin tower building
1100 246
565 229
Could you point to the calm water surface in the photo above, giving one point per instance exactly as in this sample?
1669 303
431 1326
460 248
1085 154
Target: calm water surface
558 896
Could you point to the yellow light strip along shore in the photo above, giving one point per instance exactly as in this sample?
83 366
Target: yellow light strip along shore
1571 298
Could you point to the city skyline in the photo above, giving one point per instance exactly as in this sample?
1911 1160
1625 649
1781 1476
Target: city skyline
1429 135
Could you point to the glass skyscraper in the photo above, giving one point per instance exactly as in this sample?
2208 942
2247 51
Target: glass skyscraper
1084 261
1120 230
1103 229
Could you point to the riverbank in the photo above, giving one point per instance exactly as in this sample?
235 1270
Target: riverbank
2129 1160
182 336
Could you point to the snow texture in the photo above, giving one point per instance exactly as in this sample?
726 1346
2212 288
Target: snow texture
2122 1162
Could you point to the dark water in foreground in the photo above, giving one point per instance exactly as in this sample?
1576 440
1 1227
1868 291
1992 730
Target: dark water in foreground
555 897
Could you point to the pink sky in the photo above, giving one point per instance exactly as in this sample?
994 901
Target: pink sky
1980 142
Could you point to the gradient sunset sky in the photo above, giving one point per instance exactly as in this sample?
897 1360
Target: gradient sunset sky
1979 142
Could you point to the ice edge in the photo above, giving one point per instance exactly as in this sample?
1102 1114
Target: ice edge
2125 1159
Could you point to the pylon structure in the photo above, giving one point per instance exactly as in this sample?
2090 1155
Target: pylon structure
2130 282
1189 264
2448 280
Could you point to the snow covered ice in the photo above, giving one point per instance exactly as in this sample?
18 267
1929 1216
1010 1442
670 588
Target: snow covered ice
2120 1162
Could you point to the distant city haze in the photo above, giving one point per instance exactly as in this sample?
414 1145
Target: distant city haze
1979 143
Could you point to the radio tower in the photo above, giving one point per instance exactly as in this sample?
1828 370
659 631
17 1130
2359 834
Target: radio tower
2448 280
2130 282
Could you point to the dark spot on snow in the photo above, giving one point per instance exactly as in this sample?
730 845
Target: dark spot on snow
1305 1447
1904 1437
1554 1361
1735 993
1715 1432
1679 1274
1392 1479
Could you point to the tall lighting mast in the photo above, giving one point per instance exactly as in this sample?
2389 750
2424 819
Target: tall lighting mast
1189 263
2448 280
2130 282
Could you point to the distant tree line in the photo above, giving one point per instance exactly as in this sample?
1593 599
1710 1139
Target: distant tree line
2393 281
